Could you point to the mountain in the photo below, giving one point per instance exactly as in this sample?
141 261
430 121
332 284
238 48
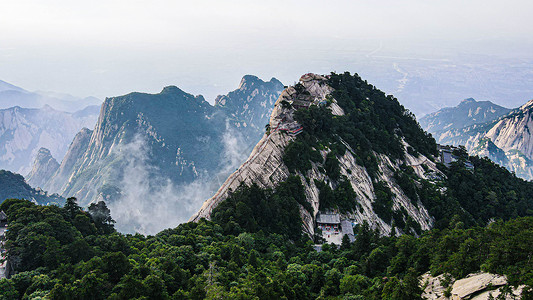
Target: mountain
250 105
171 144
282 153
467 113
13 185
339 152
23 131
505 139
11 95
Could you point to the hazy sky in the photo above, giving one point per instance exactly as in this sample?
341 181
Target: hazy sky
107 48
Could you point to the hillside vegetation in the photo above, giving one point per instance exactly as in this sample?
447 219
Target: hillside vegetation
65 253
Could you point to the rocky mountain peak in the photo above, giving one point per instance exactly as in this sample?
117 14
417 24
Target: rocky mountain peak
44 167
468 101
43 153
527 106
248 81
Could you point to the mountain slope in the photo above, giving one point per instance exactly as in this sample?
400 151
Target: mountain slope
273 159
12 185
23 131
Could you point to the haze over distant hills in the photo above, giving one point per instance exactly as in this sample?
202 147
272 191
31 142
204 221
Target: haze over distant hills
24 130
11 95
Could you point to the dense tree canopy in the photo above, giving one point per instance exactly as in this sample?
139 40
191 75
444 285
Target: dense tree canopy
66 258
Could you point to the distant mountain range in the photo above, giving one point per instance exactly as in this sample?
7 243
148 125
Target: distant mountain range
145 146
11 95
468 112
24 130
486 129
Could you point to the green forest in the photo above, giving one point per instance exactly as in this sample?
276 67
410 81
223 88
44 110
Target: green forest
68 253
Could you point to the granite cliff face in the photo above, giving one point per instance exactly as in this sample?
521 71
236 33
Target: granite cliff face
506 139
250 105
266 167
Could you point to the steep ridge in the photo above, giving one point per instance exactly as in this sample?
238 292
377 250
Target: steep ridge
267 164
59 180
505 140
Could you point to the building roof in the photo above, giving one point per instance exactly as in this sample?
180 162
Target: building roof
328 218
3 216
347 227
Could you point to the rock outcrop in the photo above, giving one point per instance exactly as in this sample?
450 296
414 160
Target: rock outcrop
478 286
